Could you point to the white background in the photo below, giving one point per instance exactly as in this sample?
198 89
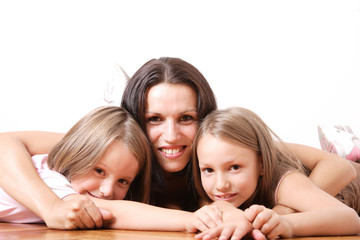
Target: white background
295 63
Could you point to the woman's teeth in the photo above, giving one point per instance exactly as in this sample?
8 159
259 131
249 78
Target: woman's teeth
170 151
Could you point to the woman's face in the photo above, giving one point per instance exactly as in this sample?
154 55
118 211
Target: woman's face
111 176
171 123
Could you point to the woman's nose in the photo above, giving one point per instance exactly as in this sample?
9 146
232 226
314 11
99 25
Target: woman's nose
171 131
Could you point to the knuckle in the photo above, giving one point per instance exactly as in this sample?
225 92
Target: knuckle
265 228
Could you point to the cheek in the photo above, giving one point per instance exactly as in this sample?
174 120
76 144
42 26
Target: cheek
85 183
78 185
153 133
120 193
190 131
206 183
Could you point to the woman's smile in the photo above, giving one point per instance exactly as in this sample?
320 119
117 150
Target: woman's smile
171 124
172 151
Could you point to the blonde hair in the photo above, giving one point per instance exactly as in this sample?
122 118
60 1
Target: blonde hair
245 128
85 143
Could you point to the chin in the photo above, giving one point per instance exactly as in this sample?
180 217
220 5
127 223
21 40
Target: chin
173 167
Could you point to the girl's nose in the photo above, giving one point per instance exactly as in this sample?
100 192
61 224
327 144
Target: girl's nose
222 184
107 189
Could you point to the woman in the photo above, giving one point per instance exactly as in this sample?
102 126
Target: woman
168 97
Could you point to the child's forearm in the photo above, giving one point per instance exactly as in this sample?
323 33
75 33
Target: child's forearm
330 221
138 216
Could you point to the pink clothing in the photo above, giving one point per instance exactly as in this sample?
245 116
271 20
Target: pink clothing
12 211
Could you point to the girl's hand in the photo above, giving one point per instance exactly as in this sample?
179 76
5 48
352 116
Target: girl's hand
203 219
268 222
209 215
235 226
76 212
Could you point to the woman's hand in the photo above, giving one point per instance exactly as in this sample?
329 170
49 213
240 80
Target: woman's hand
268 222
75 212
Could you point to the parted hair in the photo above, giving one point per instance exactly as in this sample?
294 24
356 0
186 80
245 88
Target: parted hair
85 143
166 70
245 128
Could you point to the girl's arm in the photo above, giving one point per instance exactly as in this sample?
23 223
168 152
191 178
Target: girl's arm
318 212
328 171
131 215
16 149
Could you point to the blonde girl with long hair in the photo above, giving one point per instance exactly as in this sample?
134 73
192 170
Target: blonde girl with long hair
243 167
105 155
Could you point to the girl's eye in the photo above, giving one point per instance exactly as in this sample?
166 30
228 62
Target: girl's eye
235 167
100 171
208 170
123 181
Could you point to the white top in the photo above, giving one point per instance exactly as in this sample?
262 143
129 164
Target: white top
13 211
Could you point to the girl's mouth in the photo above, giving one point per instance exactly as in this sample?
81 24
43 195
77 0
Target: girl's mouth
92 195
225 197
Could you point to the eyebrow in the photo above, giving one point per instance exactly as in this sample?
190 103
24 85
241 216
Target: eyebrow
186 111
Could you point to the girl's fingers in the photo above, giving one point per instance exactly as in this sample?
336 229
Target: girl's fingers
210 215
253 211
200 225
212 233
238 233
256 234
87 219
271 224
215 214
200 235
261 218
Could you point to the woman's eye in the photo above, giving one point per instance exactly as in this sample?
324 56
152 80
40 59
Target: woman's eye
123 181
100 171
154 119
186 118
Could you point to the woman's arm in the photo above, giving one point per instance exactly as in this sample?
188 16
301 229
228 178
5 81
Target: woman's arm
328 171
19 178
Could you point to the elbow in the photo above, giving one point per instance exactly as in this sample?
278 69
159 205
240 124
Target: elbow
354 226
352 173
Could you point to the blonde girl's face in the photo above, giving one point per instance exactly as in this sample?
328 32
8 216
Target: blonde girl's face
229 172
111 176
171 124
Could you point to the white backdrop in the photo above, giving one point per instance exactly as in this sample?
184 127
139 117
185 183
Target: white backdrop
295 63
